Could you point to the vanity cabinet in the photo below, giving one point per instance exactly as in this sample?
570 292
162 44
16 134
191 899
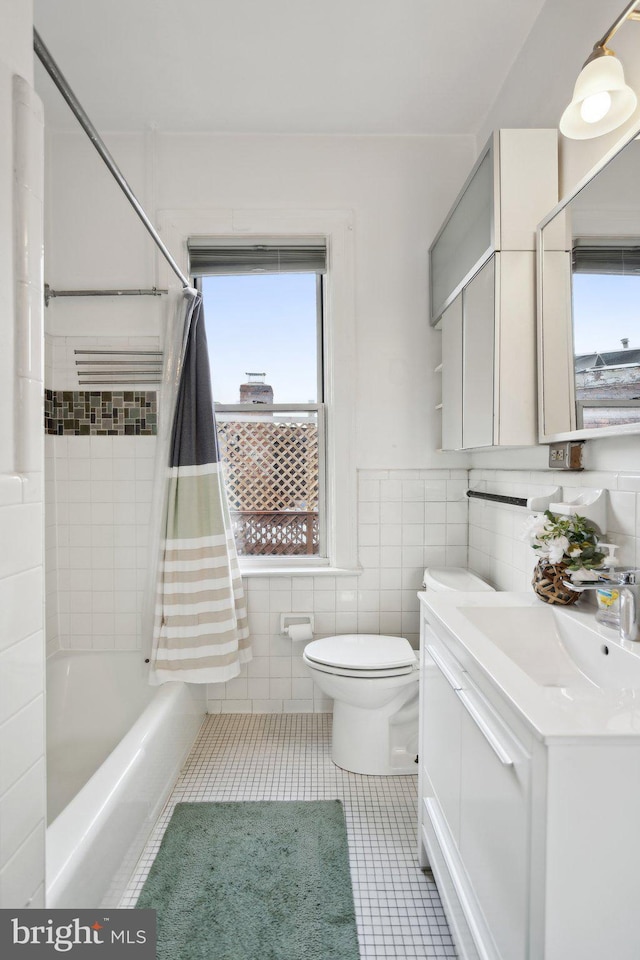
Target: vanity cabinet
474 805
532 839
482 270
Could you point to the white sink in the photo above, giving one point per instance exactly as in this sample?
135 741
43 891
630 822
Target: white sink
558 647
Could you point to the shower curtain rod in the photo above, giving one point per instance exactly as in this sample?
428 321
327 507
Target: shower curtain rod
50 294
52 69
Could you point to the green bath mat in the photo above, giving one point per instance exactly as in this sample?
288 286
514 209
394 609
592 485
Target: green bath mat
265 880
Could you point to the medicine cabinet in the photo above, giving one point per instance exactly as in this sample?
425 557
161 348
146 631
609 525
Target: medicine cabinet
589 289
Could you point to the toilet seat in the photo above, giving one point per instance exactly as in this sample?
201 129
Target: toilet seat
362 655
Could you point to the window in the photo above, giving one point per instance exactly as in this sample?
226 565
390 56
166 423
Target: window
263 308
606 284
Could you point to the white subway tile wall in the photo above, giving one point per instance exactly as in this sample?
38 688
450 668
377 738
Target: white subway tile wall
497 550
404 524
99 493
22 742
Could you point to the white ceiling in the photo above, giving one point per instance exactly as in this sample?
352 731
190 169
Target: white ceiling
282 66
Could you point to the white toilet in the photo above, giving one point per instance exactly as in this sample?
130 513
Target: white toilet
374 682
443 579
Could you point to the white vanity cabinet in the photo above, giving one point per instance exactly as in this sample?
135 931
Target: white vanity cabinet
482 275
475 791
533 840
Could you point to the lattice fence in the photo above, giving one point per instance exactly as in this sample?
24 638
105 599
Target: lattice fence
264 533
271 472
270 464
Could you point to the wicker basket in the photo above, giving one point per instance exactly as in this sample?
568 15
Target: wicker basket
548 583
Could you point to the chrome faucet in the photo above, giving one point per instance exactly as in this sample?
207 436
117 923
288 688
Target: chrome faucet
629 604
629 583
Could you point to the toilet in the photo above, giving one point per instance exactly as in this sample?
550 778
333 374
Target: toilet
443 579
374 683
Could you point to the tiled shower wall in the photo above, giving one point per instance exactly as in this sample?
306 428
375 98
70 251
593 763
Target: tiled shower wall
406 521
22 746
98 501
99 493
496 548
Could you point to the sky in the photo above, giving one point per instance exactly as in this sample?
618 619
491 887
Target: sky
605 309
264 323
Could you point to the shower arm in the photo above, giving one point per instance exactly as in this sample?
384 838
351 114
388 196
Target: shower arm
69 96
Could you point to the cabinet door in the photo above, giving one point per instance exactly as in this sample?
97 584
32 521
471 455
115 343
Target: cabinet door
452 376
466 237
494 823
440 751
478 321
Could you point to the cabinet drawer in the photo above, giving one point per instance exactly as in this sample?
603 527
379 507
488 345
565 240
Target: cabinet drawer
441 739
495 822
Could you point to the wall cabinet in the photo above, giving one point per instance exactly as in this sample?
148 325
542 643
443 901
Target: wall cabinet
532 839
452 379
483 292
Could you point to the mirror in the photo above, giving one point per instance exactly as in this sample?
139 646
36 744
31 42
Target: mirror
589 306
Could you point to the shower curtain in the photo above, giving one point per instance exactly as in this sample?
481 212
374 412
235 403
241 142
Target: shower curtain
200 625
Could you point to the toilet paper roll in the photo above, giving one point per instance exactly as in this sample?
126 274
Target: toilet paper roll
299 631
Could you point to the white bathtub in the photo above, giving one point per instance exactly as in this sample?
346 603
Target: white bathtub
115 747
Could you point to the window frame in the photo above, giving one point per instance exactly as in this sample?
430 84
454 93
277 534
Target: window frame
284 408
338 352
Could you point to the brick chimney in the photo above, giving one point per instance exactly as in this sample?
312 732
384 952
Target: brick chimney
255 390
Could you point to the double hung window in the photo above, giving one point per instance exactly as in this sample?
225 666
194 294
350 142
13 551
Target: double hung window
263 305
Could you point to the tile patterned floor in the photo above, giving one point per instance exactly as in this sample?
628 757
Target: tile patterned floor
286 757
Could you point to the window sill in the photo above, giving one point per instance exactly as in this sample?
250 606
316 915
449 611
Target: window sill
266 569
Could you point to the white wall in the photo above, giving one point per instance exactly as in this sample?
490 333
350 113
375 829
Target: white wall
397 191
497 550
407 519
22 769
537 89
540 83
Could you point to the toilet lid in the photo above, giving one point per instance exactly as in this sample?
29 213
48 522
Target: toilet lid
454 578
361 652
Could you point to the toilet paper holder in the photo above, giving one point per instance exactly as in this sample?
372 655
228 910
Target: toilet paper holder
289 619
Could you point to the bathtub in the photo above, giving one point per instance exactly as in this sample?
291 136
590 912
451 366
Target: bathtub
115 747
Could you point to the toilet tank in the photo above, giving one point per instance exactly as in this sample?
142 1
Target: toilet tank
442 579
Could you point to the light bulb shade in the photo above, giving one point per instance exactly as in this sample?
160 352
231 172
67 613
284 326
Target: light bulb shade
604 74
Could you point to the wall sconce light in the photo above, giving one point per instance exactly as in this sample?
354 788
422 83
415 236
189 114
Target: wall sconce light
601 100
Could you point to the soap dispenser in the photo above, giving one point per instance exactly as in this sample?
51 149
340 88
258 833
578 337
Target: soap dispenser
608 597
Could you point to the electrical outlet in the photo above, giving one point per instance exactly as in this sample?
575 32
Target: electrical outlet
566 456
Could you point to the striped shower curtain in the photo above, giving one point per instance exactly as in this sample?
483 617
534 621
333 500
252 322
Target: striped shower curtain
201 633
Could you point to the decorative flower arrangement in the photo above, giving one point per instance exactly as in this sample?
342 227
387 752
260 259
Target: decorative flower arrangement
571 541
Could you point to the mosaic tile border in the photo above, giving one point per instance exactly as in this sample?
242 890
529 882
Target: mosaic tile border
101 413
